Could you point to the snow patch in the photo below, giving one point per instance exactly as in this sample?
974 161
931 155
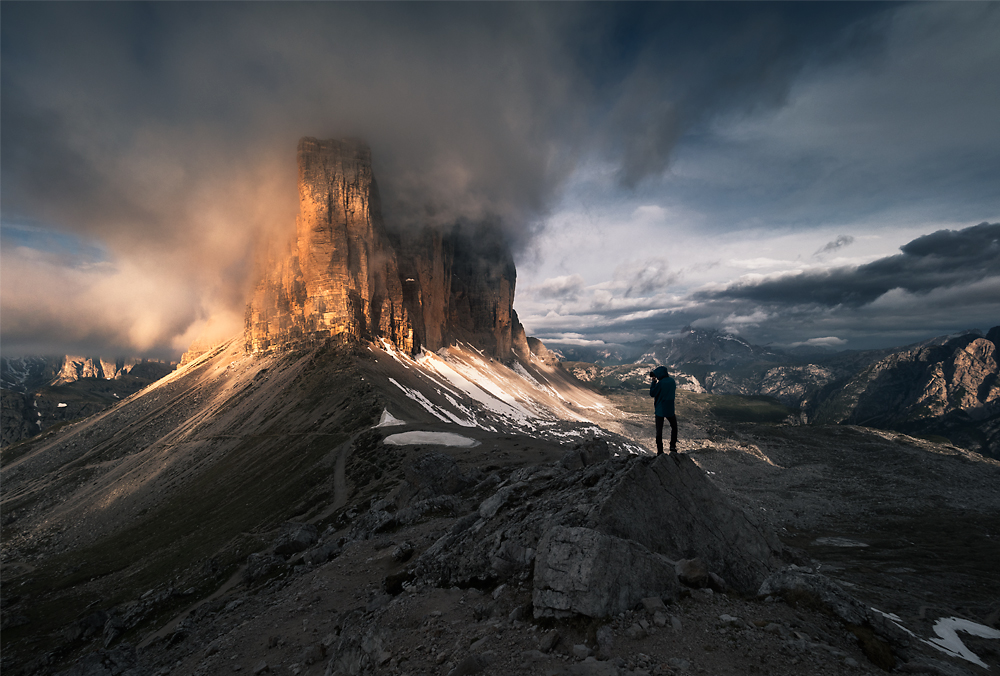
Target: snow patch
483 391
61 405
948 641
433 438
420 399
388 420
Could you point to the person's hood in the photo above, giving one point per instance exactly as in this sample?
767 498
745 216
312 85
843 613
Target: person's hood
661 372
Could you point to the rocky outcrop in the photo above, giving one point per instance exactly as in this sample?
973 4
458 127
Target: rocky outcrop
594 539
75 368
546 356
949 387
671 508
794 386
28 374
349 276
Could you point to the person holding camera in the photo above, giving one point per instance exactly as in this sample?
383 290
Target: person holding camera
663 390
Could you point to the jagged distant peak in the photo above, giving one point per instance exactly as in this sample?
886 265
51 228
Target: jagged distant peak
705 346
33 371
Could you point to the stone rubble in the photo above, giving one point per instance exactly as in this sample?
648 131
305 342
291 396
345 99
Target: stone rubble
523 571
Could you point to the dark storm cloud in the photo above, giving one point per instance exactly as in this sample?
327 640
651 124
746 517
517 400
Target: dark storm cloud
689 63
940 260
908 132
165 132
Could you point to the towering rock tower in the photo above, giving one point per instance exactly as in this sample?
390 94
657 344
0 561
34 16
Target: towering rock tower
340 277
346 276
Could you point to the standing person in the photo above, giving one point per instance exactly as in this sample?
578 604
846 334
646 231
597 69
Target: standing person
663 390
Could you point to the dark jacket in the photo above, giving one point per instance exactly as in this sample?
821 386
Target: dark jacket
663 392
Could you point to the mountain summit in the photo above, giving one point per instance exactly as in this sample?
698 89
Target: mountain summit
346 275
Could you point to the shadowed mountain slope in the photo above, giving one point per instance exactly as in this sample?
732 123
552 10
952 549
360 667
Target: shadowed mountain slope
184 476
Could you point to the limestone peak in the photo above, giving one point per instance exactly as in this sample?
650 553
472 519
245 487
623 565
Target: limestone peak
347 276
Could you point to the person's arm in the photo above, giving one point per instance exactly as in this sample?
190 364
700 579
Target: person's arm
654 387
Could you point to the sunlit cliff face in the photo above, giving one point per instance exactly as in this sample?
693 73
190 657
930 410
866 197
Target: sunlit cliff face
347 276
341 277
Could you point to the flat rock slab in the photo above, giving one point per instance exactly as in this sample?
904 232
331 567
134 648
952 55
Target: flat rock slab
582 571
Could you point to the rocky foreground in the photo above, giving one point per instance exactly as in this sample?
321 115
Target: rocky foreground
487 563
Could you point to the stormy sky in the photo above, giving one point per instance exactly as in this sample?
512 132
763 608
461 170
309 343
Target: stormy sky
799 173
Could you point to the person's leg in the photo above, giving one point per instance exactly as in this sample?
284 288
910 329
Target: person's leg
673 433
659 434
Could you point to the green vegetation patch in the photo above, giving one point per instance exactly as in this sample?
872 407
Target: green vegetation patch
737 408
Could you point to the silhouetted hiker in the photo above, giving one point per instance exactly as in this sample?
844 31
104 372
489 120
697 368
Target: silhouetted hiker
663 390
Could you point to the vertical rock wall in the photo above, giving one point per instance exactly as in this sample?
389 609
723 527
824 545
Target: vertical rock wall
346 276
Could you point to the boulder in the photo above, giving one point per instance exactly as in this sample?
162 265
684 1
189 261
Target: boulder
297 539
595 450
796 583
693 573
402 552
359 648
491 505
87 626
652 604
582 571
605 641
470 664
259 566
672 508
549 640
321 553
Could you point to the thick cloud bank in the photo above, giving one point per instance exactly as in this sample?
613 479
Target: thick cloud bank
936 281
946 259
922 289
148 148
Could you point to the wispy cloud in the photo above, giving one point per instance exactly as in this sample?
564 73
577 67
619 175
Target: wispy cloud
835 245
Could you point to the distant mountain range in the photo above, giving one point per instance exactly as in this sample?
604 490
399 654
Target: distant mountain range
708 347
946 386
40 392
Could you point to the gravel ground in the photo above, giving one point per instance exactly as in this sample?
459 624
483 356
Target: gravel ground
290 624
